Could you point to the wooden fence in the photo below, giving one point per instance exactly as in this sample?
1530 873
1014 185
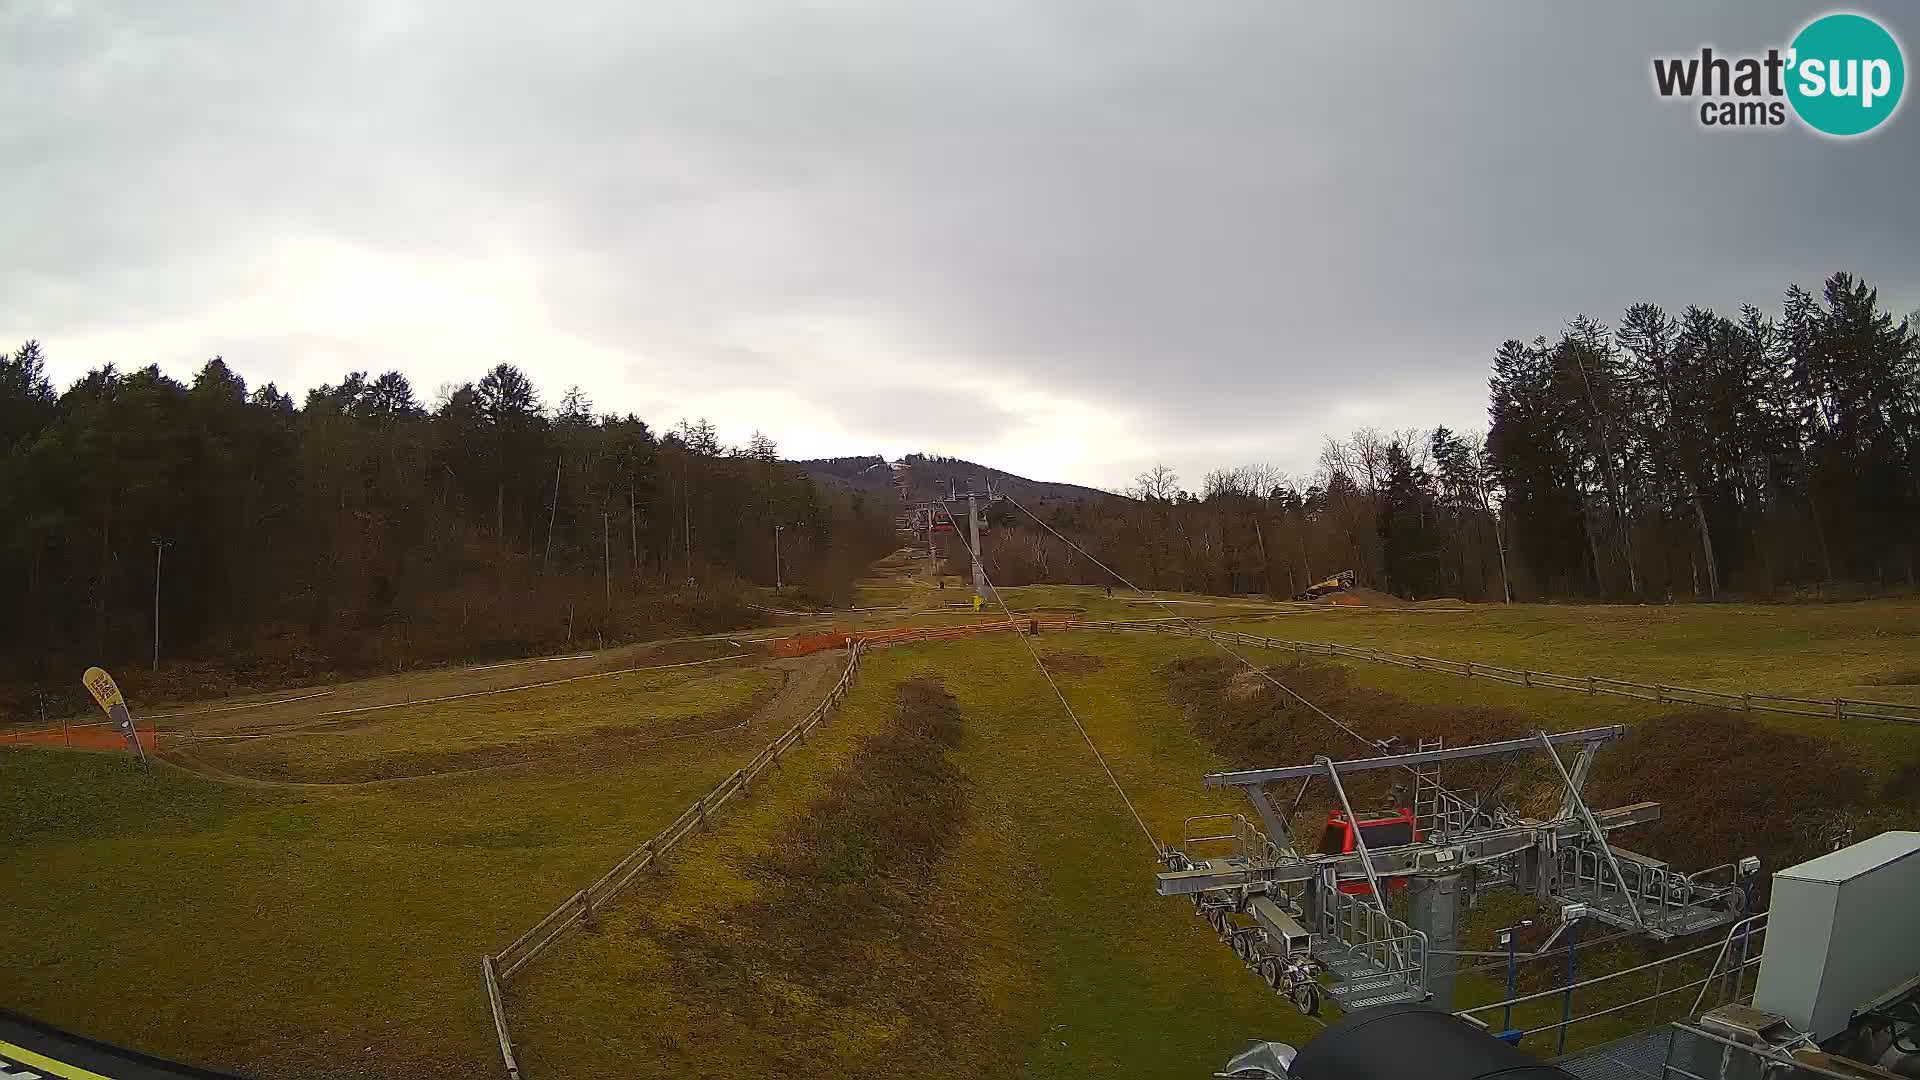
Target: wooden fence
497 968
1663 693
581 908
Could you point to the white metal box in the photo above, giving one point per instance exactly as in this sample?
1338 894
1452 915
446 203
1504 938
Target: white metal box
1841 932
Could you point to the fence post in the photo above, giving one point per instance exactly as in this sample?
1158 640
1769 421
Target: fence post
1590 688
499 1010
1526 679
1746 701
1469 669
586 906
700 809
1839 709
1659 693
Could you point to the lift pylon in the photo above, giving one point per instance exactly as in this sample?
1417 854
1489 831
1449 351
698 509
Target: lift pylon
1319 923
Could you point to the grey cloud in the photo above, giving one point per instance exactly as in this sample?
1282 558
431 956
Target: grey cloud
1205 216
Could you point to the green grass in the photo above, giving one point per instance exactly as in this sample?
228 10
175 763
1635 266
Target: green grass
1811 651
1081 968
312 933
336 932
498 729
1822 650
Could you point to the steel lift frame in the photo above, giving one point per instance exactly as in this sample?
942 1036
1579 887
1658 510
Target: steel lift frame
1286 916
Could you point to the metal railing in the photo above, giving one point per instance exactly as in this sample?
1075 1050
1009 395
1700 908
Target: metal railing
1250 845
1741 936
498 968
1766 1060
1368 932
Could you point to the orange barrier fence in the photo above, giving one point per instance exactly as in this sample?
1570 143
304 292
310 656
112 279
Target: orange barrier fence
83 737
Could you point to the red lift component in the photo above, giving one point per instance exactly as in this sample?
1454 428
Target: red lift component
1391 831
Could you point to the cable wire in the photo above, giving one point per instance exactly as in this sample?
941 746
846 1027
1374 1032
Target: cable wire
1374 744
1014 626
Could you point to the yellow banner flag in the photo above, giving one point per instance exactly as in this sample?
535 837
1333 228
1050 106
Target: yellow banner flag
101 686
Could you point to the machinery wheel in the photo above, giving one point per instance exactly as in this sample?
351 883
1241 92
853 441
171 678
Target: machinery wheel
1246 946
1270 970
1217 918
1305 996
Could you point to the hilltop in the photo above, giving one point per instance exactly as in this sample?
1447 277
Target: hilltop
931 475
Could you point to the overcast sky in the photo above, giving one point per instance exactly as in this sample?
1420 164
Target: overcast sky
1066 239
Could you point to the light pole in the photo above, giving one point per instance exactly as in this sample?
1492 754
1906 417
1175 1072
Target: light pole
158 547
777 530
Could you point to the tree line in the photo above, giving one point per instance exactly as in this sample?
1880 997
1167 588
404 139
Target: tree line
365 530
1689 456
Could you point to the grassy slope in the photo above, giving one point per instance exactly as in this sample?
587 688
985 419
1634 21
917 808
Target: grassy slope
340 903
1823 649
1085 971
1815 651
1847 650
309 933
485 731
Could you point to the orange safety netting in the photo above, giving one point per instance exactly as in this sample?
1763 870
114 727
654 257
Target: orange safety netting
83 737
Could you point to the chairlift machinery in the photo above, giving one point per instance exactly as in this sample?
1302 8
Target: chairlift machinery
1318 924
938 517
932 519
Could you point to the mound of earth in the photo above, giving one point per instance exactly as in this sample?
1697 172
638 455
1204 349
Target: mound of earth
1730 786
1364 597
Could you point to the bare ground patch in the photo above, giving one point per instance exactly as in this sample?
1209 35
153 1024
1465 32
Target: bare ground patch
837 969
1073 663
1730 786
1251 722
680 652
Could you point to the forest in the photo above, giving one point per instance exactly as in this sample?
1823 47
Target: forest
1692 457
154 524
151 525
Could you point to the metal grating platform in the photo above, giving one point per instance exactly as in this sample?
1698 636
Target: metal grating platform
1641 1056
1661 924
1359 982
